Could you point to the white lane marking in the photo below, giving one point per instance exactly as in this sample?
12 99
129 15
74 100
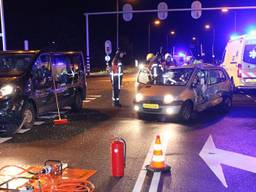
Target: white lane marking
91 98
156 177
4 139
249 96
21 131
97 96
140 180
86 101
155 182
39 122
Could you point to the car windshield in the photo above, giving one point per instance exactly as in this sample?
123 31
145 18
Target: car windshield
14 64
172 77
250 54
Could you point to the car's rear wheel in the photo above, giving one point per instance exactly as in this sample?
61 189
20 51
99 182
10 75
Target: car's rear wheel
28 116
186 111
78 103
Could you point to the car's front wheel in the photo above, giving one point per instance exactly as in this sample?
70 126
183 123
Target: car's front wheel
186 111
226 104
28 116
78 103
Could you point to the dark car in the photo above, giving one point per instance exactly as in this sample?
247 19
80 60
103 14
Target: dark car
27 85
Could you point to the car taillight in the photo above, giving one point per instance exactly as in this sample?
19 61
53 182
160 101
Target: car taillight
239 70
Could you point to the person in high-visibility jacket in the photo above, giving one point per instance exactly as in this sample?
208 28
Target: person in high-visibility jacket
116 75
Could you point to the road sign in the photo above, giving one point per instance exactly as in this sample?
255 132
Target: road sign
162 11
127 9
107 58
196 7
108 47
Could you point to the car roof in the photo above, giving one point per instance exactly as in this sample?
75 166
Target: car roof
199 66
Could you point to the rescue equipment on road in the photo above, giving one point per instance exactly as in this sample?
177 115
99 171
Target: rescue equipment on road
54 176
118 156
158 161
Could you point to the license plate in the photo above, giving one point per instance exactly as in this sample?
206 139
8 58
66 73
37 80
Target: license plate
150 106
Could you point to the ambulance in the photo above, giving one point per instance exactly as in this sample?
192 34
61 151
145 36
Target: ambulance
240 61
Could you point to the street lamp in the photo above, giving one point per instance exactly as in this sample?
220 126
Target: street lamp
193 38
172 33
156 22
224 10
208 27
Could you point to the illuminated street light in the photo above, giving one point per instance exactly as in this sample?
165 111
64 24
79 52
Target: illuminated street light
224 10
172 32
207 26
193 38
157 22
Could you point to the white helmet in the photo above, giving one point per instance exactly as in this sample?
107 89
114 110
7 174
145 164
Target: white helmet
167 56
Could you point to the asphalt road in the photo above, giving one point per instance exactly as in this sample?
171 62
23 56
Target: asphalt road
85 143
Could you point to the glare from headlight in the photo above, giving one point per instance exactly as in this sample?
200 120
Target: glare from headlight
139 97
170 111
168 99
136 108
6 90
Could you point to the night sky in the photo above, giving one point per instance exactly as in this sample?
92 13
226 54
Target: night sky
45 21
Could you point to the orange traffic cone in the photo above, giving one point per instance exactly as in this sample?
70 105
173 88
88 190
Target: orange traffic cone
158 162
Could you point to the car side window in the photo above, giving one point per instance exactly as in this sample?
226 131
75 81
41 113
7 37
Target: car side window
216 76
73 68
42 75
61 69
222 76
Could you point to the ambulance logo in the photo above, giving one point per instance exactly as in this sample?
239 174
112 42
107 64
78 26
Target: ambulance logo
252 54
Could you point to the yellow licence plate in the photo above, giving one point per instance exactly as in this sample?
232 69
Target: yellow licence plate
150 106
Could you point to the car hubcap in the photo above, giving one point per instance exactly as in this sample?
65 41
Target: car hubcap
28 116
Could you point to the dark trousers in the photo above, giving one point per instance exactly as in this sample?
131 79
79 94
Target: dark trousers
116 86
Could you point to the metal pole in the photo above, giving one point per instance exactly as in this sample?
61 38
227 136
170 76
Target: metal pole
235 20
3 25
149 37
87 45
213 42
117 24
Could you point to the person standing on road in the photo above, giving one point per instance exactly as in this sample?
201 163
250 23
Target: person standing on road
116 75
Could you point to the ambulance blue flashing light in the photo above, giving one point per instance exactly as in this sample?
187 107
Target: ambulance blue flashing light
181 54
234 37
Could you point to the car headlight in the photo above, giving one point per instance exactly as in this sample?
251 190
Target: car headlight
168 99
6 90
139 97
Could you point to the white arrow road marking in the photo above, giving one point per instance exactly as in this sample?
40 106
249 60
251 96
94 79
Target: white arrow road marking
4 139
214 157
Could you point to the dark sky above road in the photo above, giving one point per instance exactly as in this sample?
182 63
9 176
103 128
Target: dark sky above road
62 21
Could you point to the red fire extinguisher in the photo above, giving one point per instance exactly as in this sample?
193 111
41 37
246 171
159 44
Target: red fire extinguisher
118 156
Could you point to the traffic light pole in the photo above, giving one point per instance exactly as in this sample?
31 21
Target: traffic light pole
3 35
144 11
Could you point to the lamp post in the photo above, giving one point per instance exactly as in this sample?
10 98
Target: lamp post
225 10
117 24
209 27
155 23
3 34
